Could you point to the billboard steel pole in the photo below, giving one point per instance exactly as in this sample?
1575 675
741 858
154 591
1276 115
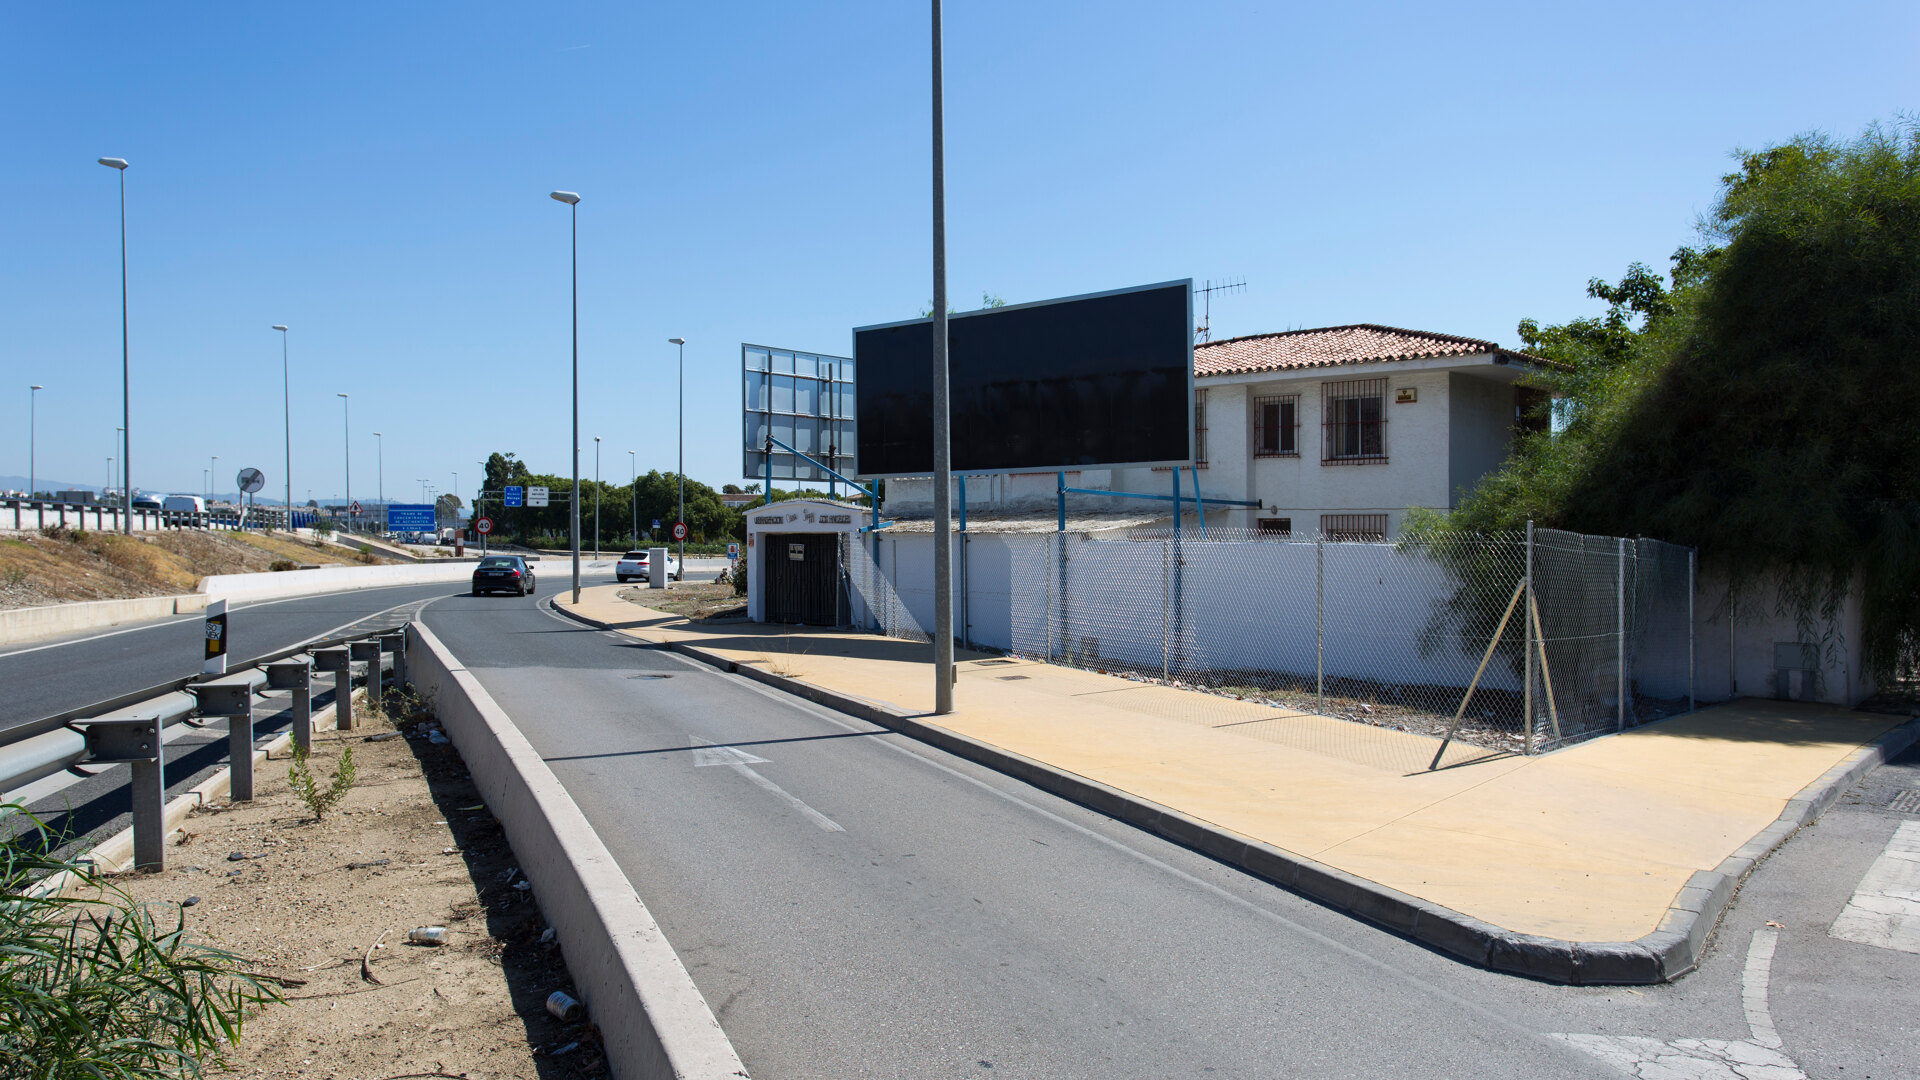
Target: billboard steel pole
573 206
942 445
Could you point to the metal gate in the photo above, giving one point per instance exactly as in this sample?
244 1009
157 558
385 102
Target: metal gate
803 582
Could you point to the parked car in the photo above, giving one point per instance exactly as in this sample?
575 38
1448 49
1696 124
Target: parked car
503 573
145 502
634 565
184 504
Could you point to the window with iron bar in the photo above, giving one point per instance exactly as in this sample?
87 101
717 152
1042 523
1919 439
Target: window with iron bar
1276 426
1278 528
1354 423
1366 527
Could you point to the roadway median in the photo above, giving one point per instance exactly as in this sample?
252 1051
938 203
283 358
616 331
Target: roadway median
1609 862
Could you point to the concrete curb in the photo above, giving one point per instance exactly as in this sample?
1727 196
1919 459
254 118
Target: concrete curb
1666 954
50 620
652 1017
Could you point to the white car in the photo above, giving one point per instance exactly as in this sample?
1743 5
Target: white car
633 565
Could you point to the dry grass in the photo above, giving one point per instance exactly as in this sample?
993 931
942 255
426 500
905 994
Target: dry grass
67 565
697 600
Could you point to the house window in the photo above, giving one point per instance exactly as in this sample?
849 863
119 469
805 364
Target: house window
1199 429
1361 527
1276 426
1276 528
1354 422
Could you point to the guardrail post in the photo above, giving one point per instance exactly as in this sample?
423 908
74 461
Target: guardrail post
138 742
297 676
335 661
367 652
233 700
397 645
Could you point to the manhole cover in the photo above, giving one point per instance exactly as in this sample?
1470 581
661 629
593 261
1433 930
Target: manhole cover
1907 802
990 663
1011 678
649 675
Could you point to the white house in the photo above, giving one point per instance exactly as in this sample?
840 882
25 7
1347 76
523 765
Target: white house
1336 430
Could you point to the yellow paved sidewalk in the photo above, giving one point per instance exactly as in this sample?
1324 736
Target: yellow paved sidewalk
1591 843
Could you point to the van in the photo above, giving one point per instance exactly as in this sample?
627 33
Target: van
184 504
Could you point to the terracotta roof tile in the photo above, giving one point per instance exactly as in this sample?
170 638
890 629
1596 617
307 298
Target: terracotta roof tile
1333 346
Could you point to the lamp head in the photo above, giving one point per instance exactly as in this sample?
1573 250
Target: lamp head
114 163
676 341
280 328
569 197
339 395
36 386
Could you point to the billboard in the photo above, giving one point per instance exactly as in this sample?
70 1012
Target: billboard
1097 381
410 517
803 399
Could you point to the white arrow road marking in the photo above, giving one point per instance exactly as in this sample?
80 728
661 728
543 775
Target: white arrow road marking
1757 1058
706 752
1885 909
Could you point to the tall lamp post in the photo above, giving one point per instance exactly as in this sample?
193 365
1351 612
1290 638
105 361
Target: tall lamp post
286 402
346 455
681 468
33 395
454 511
942 444
119 441
596 496
126 398
213 477
572 200
633 486
380 477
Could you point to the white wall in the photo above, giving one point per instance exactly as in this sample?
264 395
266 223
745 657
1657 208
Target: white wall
1758 624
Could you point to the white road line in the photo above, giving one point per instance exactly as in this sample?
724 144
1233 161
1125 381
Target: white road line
1757 1058
709 753
1885 909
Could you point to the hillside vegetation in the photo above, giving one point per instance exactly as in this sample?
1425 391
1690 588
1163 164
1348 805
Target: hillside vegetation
60 565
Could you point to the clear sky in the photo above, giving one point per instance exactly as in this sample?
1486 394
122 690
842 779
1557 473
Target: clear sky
376 177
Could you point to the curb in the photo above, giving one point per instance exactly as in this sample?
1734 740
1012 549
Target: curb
1668 953
654 1022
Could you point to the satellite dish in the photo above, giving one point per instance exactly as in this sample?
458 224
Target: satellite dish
251 480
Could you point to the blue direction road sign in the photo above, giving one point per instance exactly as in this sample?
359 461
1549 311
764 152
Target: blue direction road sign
656 523
410 517
513 493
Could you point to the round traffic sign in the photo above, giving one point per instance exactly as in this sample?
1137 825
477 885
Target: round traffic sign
679 530
250 480
483 526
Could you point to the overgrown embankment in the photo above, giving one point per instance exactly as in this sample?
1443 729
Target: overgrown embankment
59 565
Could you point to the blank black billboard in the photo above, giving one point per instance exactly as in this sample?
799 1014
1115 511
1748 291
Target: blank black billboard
1096 381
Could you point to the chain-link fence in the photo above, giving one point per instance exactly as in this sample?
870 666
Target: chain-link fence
1403 654
864 579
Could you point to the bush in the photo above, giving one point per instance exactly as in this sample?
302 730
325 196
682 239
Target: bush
307 786
106 986
739 577
282 564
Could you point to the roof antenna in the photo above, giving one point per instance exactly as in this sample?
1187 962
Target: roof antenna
1204 332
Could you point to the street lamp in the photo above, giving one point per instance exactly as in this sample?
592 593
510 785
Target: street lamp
454 511
126 398
286 399
380 477
119 440
572 199
109 487
33 394
682 467
596 496
213 470
633 483
346 453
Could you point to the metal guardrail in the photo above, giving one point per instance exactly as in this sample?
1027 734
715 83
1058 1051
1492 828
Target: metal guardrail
131 729
21 514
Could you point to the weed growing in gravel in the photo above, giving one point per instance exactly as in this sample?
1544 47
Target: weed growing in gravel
103 986
307 786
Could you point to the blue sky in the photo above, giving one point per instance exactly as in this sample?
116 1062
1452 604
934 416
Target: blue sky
376 177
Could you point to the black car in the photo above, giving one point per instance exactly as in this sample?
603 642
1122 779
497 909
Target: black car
503 573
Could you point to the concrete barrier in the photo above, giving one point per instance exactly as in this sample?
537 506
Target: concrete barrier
27 624
273 586
652 1017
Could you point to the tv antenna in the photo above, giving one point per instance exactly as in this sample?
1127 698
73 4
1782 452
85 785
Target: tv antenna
1204 332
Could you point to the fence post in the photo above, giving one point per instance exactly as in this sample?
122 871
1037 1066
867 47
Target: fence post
1526 706
1693 660
1320 623
397 645
1620 634
1166 611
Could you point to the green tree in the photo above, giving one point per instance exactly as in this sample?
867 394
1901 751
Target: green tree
1759 407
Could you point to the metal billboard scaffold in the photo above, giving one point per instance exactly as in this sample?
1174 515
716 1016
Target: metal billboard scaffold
797 415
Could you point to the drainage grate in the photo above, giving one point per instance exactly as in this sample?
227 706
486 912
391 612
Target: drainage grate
1907 802
1011 678
649 675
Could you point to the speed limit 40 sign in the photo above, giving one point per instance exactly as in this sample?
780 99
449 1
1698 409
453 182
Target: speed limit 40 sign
483 526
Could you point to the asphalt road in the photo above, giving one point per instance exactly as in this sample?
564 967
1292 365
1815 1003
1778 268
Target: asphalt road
854 904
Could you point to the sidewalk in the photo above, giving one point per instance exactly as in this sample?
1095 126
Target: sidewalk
1593 843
